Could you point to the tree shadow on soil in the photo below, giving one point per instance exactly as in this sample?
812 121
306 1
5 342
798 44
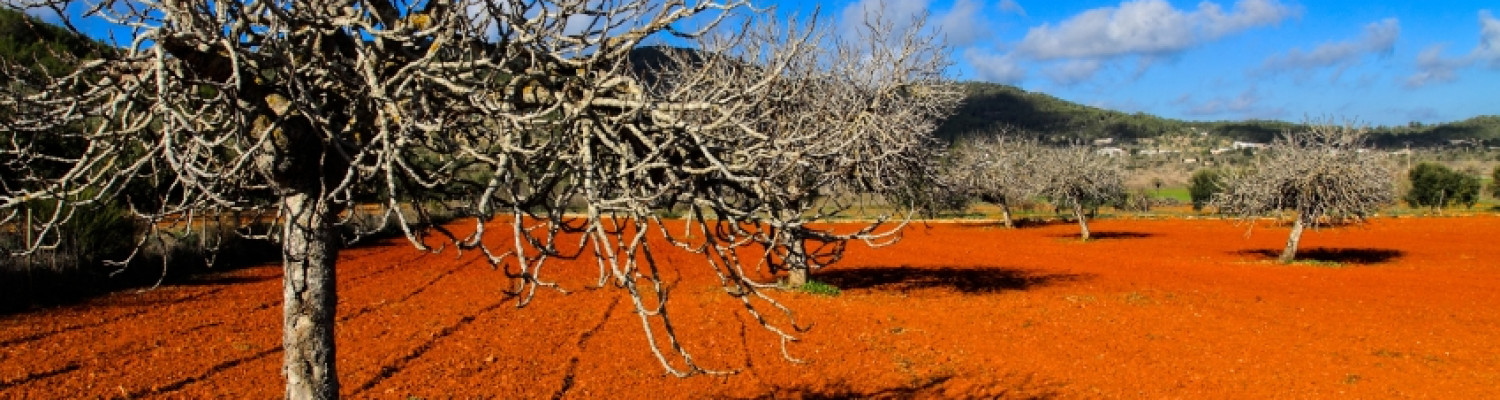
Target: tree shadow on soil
1020 223
1341 256
932 387
1108 235
966 279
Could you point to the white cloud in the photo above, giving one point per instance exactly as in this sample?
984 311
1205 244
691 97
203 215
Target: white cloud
1147 27
962 24
995 68
37 9
1011 6
1074 72
1489 39
1433 67
1246 105
1379 38
1247 14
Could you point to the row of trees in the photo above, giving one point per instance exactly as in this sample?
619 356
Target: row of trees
1432 185
1005 170
518 109
1318 175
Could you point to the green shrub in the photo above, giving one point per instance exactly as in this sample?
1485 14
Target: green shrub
1202 187
1437 186
1495 183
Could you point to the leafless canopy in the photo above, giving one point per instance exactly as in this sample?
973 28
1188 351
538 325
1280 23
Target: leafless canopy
995 168
1079 178
1317 173
514 108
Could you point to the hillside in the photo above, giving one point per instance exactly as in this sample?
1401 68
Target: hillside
40 47
989 106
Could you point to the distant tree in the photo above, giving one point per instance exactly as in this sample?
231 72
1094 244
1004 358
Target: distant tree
1495 182
1078 178
1314 173
1436 186
996 169
1202 187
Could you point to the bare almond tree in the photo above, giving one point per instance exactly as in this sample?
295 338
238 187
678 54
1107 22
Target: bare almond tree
1318 174
996 169
1079 178
314 109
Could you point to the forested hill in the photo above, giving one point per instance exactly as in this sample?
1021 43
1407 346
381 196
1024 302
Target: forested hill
27 42
989 106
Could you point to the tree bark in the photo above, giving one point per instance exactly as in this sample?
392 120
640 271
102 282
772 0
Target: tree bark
1290 252
796 277
796 262
1083 223
309 249
1005 213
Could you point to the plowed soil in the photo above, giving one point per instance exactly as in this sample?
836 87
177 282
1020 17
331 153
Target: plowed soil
1167 308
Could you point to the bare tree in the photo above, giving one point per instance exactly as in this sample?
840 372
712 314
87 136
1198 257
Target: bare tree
309 108
1079 178
1316 174
846 124
996 169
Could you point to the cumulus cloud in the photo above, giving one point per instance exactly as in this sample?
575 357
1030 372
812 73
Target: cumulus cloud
1074 72
962 24
1489 39
1379 38
37 9
1246 105
1147 27
1433 67
995 68
1011 6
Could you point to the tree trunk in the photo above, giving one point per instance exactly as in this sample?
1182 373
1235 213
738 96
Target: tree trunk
1005 213
1083 223
1290 252
309 250
796 263
796 276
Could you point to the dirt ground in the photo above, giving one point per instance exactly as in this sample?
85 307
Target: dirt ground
1177 308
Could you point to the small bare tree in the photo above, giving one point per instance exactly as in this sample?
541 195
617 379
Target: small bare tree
1316 174
313 108
995 169
1079 178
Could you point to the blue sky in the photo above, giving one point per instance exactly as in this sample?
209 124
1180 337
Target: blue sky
1383 63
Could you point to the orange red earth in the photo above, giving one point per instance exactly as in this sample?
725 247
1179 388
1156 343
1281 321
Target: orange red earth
1156 308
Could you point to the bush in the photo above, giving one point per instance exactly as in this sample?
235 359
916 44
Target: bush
1437 186
1202 187
75 266
1495 183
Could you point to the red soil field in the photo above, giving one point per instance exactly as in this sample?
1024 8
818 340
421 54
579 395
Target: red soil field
1155 308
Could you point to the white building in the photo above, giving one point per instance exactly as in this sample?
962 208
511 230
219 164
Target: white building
1112 152
1247 145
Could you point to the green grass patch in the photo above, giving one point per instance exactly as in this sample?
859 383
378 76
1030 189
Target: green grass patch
1180 193
820 289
